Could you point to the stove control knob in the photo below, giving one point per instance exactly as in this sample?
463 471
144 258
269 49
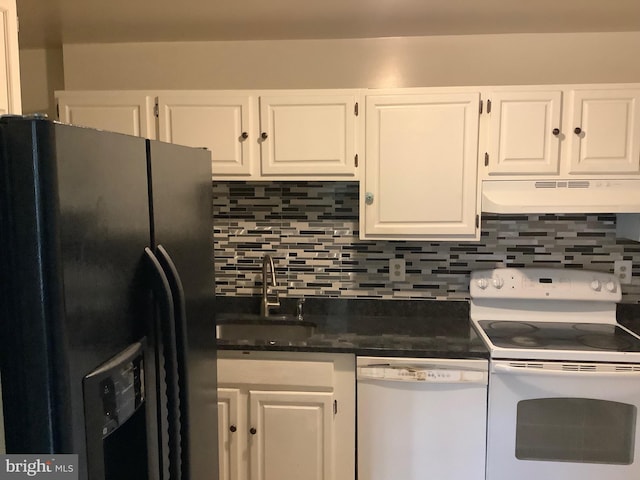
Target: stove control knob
498 282
610 286
482 283
596 285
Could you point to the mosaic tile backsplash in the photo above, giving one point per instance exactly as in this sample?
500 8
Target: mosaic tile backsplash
311 231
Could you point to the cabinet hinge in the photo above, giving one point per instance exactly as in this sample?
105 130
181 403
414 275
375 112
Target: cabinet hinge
335 407
486 159
356 160
481 102
477 221
156 109
356 110
488 106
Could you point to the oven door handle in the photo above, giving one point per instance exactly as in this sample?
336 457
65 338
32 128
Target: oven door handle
537 371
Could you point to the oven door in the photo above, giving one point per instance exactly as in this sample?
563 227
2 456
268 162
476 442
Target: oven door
563 420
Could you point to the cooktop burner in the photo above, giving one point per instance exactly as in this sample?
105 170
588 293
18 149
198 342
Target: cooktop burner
560 336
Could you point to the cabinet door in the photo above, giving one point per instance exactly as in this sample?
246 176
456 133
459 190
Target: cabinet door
122 112
10 96
231 427
293 436
421 167
605 135
308 135
524 132
218 122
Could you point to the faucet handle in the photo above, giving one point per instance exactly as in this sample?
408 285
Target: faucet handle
299 308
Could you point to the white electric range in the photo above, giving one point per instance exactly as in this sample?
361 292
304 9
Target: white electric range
564 381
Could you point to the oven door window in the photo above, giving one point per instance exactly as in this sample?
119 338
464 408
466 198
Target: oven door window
578 430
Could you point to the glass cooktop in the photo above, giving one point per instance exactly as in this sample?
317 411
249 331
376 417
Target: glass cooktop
560 336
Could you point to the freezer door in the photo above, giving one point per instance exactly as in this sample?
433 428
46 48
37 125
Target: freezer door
182 239
74 225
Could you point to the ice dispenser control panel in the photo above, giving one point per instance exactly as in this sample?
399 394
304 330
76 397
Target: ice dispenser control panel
119 385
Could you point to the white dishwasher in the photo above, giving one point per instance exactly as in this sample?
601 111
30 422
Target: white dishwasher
421 419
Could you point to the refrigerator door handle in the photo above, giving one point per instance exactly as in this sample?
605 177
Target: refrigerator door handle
164 299
180 318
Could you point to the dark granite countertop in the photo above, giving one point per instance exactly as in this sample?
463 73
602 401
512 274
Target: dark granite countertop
398 328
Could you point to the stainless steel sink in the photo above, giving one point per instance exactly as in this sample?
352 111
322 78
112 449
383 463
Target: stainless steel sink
256 327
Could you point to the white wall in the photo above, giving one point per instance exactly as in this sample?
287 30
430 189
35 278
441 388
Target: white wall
382 62
41 73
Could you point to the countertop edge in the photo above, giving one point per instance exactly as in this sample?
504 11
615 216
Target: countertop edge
369 352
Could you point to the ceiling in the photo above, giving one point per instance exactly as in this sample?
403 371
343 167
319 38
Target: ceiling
51 23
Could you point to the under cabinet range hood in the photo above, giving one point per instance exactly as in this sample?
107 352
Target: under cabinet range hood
561 196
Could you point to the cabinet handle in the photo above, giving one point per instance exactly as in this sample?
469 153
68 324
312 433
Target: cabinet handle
264 135
244 135
253 431
556 131
577 131
232 428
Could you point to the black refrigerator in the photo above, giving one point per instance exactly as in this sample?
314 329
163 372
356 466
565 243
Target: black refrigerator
107 343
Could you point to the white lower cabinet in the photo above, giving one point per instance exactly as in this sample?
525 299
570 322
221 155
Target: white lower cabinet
293 435
229 450
286 416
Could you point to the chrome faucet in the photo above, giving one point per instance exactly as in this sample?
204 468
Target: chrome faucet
266 305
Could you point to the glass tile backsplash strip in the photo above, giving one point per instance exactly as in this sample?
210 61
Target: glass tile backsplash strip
311 230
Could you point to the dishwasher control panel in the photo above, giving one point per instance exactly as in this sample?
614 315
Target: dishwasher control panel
421 373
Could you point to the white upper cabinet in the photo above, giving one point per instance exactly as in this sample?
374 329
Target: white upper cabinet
524 132
605 134
562 132
10 96
221 122
252 135
421 167
131 113
308 135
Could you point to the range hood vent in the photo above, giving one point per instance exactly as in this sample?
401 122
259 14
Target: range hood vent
561 196
564 184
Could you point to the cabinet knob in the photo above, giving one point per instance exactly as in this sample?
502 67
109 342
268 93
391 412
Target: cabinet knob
368 198
244 135
577 131
253 431
556 131
232 428
264 135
